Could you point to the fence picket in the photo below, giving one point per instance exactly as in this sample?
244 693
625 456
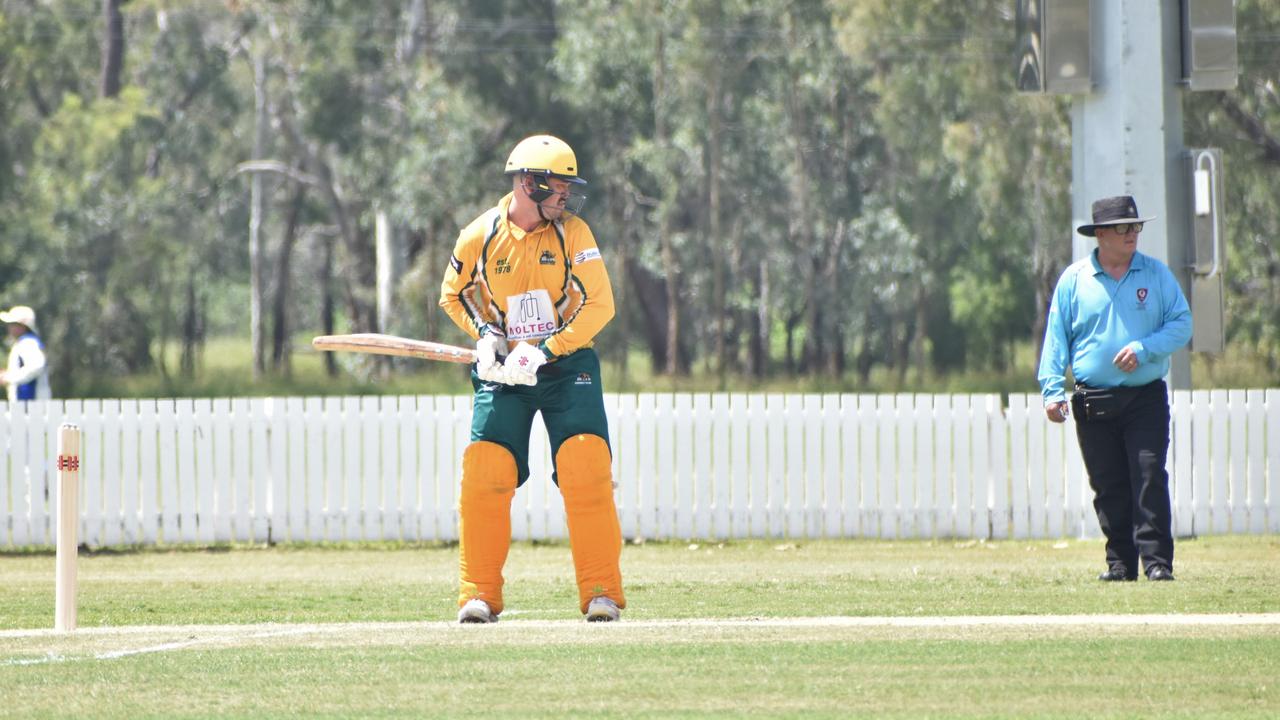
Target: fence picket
1222 497
448 464
851 510
202 457
1202 478
1180 465
407 485
241 469
795 466
926 511
719 478
704 492
962 451
129 475
353 464
108 466
188 498
812 474
757 457
1257 482
777 501
45 416
868 446
739 465
1019 467
649 482
313 474
887 489
621 411
1054 478
661 436
682 411
223 455
1238 461
334 467
24 470
998 516
944 465
1273 461
426 432
261 463
908 485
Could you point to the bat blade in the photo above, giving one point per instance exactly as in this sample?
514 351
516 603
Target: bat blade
379 344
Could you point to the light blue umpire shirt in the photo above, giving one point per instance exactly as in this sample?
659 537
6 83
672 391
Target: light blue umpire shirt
1093 316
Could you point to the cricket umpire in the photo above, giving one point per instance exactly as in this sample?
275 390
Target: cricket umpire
1116 318
527 281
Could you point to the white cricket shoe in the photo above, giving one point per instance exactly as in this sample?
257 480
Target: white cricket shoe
476 611
602 609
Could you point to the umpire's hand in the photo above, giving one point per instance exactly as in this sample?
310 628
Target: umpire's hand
1057 412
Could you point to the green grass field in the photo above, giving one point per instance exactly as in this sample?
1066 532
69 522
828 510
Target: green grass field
755 629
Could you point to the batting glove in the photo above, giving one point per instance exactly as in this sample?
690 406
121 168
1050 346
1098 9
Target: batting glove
522 364
490 348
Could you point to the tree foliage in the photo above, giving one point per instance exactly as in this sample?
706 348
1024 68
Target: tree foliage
781 187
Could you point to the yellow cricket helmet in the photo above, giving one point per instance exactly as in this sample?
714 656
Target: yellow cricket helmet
545 155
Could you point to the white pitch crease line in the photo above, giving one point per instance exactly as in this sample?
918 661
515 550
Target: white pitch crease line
164 647
239 632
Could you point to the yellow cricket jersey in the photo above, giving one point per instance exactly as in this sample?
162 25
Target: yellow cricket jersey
548 287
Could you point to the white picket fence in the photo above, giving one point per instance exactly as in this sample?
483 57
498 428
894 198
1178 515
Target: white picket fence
687 466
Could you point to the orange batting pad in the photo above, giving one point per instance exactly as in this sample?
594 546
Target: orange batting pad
484 521
586 482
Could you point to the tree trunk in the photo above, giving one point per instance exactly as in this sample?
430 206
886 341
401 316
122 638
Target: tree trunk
799 232
649 298
280 355
761 332
257 215
669 264
112 49
327 303
191 326
719 311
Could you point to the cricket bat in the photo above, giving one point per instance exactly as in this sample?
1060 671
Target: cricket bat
379 344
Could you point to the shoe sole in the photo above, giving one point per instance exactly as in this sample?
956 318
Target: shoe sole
601 618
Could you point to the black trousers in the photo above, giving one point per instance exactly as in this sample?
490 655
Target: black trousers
1125 457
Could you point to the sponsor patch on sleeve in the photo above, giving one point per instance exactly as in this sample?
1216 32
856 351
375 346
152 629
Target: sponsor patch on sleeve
455 263
586 256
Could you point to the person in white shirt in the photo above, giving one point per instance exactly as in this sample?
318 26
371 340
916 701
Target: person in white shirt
27 375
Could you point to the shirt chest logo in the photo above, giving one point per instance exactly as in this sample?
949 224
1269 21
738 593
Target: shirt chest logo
501 267
1142 298
546 258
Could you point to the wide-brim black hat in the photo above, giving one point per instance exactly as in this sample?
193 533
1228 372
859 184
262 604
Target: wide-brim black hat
1116 210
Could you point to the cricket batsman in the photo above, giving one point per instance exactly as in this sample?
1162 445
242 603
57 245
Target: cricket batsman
527 281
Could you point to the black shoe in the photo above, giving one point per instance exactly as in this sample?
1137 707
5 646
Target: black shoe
1159 573
1117 574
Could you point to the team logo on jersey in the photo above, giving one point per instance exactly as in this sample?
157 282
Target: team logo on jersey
546 258
502 266
1142 298
583 379
455 263
585 255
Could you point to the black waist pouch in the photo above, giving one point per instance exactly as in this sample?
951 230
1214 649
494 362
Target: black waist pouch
1093 404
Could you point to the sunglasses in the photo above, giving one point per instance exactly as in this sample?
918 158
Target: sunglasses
1126 228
